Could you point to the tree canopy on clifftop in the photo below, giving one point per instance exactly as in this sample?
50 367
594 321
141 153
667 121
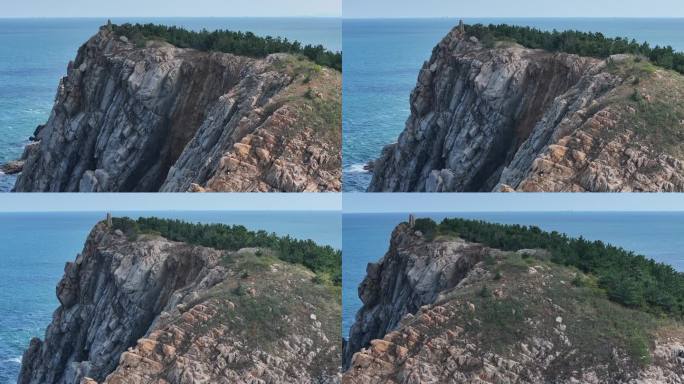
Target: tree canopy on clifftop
629 279
593 44
238 43
325 261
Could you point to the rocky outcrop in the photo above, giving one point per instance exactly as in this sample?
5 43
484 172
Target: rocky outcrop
508 118
12 167
162 118
447 311
155 311
410 275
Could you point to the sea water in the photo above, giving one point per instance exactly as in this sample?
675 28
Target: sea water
365 238
35 247
382 59
34 54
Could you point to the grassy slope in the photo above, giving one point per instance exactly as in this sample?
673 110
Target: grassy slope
649 103
523 293
521 298
316 94
274 300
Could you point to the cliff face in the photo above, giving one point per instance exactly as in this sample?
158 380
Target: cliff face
164 118
508 118
155 311
410 275
448 311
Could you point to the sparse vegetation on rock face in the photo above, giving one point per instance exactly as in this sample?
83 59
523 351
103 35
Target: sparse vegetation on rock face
438 308
138 308
494 111
157 117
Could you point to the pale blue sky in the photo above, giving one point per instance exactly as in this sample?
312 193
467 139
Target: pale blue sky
519 202
170 8
350 202
509 8
73 202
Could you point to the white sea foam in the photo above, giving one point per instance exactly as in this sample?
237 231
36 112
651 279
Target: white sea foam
356 168
16 360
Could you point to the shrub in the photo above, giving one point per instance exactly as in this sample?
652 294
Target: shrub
427 227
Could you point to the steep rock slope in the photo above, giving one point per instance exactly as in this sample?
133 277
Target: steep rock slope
409 276
155 311
507 118
158 117
449 311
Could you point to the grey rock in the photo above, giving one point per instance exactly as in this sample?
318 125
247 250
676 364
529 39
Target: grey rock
412 273
109 299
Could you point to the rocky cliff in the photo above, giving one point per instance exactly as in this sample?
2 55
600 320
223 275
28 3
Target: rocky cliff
162 118
149 310
508 118
447 311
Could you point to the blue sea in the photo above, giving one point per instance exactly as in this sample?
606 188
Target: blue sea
35 247
34 54
365 238
382 58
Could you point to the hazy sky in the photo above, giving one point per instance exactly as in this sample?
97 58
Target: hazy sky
509 8
169 8
70 202
499 202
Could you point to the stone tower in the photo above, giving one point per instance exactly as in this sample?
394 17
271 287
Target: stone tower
461 26
412 221
109 219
